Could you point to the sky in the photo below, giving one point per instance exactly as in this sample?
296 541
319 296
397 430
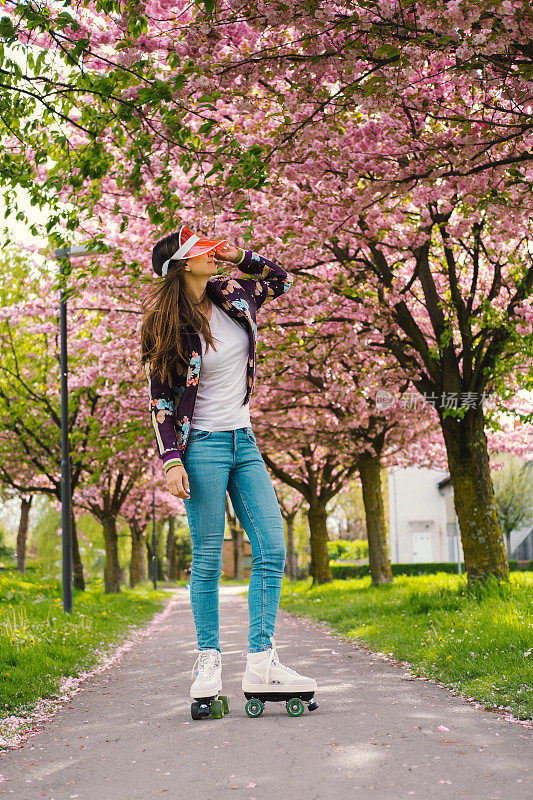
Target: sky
19 231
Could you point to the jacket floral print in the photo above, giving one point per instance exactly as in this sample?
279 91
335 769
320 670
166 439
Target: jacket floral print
172 407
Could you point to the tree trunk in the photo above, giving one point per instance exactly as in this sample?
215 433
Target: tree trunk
317 517
77 567
237 534
378 552
176 574
473 497
292 567
508 537
138 562
22 535
172 562
112 566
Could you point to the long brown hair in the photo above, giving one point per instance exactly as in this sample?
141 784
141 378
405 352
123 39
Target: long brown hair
167 309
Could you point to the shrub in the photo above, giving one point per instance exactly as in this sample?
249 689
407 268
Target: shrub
347 550
343 571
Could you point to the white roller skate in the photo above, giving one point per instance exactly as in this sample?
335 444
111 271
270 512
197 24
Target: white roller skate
207 674
266 678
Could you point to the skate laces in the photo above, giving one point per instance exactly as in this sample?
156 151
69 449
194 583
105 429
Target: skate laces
273 659
206 663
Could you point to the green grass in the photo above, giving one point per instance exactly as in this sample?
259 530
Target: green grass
480 644
40 643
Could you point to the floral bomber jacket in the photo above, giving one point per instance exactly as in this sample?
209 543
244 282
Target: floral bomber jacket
172 407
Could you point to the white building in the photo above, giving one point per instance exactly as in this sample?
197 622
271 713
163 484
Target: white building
522 543
422 523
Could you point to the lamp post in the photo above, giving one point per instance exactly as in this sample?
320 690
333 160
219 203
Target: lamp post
154 536
64 255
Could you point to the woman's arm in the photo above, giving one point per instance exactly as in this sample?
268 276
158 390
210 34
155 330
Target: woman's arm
270 279
162 407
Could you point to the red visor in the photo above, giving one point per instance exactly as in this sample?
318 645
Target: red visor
200 246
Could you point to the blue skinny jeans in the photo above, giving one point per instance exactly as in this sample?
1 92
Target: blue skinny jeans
216 462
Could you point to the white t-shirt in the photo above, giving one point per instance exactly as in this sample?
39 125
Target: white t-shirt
223 377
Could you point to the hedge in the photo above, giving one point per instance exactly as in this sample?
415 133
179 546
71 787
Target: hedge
342 571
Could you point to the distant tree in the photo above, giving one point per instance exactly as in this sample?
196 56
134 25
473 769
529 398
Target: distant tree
22 534
348 510
5 551
290 502
513 490
237 535
183 546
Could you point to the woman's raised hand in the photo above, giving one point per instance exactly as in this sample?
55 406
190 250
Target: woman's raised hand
178 482
228 252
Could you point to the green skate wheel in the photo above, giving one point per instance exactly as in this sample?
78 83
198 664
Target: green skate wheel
217 709
225 702
295 707
254 708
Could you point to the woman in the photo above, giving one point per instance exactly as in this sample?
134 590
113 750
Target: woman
199 321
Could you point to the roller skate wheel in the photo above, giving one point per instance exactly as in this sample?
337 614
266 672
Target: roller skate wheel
295 707
199 710
254 708
217 709
224 699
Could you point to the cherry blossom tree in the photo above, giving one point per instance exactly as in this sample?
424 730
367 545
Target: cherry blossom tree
30 432
324 393
123 489
474 287
103 86
373 135
110 436
290 503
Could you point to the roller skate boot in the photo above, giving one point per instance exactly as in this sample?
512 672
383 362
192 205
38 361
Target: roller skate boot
207 685
267 679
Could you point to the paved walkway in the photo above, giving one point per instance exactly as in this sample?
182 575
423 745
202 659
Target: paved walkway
128 734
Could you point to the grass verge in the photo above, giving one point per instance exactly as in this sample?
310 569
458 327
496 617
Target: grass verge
40 643
479 644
